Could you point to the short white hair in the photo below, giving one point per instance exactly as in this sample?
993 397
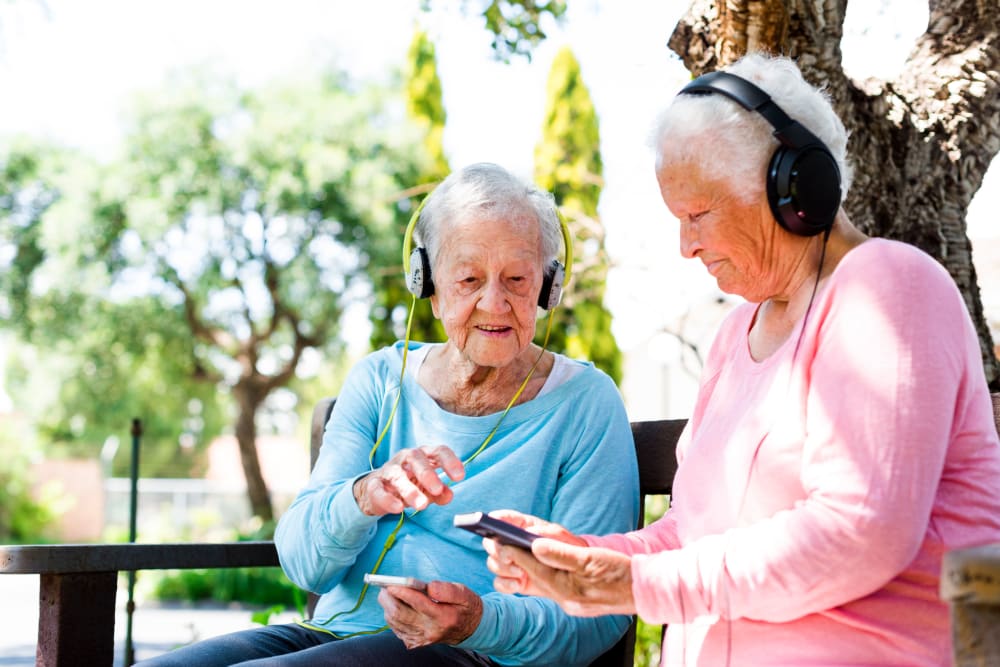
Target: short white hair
487 188
743 139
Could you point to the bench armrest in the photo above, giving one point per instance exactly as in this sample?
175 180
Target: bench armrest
970 583
83 558
78 582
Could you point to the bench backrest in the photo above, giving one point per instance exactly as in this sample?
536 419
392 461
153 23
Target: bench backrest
655 442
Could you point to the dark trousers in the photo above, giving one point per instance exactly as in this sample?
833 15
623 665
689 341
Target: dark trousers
292 645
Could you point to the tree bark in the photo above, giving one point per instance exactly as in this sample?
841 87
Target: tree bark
248 399
920 143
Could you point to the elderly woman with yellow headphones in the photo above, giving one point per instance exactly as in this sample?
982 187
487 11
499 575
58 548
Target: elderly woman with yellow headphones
422 432
842 438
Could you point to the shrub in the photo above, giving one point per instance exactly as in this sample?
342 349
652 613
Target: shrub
23 517
249 585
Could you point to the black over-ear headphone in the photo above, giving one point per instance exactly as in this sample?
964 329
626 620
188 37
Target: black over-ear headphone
417 266
803 180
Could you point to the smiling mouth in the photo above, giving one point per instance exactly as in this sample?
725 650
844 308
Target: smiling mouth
492 329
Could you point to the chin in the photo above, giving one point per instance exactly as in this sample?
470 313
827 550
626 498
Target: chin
494 356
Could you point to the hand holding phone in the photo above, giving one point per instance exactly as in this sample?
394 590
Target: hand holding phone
391 580
501 531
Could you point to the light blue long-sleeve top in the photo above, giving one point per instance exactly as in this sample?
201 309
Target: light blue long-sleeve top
566 456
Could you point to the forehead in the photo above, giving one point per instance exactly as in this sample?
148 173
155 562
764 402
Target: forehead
684 180
512 238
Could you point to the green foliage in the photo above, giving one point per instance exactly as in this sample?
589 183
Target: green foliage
225 241
116 362
24 516
248 585
516 25
425 109
97 359
568 164
37 186
648 640
425 103
257 212
263 617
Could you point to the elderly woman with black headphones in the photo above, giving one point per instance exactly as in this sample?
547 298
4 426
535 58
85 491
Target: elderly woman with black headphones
842 437
422 432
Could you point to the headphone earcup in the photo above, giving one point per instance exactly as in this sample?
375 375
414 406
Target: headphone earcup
418 280
803 189
552 284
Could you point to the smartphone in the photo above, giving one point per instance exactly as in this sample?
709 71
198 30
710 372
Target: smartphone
501 531
391 580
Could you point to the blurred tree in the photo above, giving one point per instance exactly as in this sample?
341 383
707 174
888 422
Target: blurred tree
95 359
568 164
24 516
425 108
244 219
255 211
28 188
94 364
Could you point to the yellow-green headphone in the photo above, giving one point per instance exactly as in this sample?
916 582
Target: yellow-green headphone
417 266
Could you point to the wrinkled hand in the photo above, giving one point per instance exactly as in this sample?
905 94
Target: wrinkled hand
447 614
582 580
409 479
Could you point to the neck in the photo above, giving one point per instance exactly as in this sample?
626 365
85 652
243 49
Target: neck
463 387
778 315
818 258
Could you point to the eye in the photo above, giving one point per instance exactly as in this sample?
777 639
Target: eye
695 217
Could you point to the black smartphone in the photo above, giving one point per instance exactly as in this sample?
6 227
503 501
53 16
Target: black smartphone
501 531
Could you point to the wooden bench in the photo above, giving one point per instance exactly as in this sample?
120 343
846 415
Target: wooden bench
77 583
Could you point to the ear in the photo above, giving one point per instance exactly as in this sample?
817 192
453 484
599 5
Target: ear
434 306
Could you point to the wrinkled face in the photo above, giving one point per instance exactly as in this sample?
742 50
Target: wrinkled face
487 276
734 239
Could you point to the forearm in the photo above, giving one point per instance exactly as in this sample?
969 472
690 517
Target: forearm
658 536
321 535
535 631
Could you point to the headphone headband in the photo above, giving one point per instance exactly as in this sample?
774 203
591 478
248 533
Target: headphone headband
789 132
803 178
418 281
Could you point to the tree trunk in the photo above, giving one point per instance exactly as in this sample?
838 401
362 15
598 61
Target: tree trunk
248 400
920 144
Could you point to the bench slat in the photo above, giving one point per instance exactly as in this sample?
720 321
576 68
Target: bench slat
83 558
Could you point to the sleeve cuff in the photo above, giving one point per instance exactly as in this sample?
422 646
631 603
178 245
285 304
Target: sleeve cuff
485 629
346 523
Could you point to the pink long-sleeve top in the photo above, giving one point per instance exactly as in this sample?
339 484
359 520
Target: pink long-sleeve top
817 490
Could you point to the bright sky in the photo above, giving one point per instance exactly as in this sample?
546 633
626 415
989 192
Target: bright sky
66 72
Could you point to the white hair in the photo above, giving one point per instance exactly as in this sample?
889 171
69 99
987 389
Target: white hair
743 141
487 188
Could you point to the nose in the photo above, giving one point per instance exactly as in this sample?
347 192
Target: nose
494 298
689 237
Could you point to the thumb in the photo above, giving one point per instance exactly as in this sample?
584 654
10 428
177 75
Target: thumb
558 554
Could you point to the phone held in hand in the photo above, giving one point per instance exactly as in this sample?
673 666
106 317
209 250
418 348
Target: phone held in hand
391 580
501 531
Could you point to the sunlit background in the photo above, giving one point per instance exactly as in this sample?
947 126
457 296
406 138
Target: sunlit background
68 69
